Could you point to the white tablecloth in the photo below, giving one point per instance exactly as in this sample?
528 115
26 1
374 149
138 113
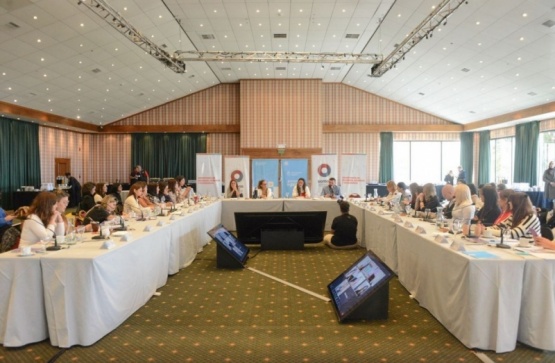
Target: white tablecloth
380 236
230 206
22 317
90 291
189 235
537 313
477 300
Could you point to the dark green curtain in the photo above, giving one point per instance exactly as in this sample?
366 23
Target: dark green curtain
386 156
526 153
467 154
484 158
19 157
167 155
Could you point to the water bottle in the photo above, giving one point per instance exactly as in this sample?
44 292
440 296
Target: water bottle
439 217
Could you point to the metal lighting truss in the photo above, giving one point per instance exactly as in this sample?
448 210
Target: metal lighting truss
423 30
119 23
285 57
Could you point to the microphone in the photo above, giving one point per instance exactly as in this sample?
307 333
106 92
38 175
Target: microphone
501 244
55 247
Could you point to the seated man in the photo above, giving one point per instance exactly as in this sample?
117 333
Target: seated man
344 230
332 190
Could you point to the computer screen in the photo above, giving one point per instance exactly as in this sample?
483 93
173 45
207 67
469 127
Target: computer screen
357 283
229 242
250 224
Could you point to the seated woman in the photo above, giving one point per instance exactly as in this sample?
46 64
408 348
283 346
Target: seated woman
153 193
523 218
233 190
393 195
87 202
463 209
544 242
144 199
115 190
503 202
415 191
101 190
406 195
163 191
173 191
428 199
301 190
262 191
62 201
105 211
43 222
490 210
185 191
132 202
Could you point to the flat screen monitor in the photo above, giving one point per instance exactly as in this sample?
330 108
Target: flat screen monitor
250 224
227 241
360 283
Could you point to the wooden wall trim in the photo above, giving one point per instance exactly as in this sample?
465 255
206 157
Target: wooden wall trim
42 117
256 153
343 129
128 129
528 113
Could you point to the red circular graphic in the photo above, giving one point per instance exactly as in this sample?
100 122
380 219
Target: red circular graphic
324 170
237 175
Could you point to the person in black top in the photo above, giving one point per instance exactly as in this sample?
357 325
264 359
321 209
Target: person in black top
138 174
490 211
449 178
462 175
104 211
88 201
344 230
74 190
448 192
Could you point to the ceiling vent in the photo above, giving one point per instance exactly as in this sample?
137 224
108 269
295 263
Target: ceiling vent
548 23
280 68
13 25
465 70
352 36
471 111
280 35
532 94
208 36
226 69
335 68
32 94
96 70
164 46
421 93
192 76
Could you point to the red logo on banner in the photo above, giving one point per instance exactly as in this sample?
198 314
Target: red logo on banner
237 175
324 170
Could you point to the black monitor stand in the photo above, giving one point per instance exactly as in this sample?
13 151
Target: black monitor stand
224 259
282 239
375 307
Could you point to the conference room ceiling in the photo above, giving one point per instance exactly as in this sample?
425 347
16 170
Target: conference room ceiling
491 58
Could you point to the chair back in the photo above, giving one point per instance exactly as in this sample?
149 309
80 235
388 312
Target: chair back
10 238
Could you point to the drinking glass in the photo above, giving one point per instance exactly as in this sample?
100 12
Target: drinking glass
457 225
44 241
80 231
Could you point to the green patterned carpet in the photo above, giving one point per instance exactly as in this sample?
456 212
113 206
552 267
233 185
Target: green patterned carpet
207 314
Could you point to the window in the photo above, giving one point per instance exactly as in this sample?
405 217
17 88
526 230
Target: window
425 161
502 160
546 153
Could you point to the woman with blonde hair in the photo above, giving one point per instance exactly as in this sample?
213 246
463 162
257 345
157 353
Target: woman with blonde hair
262 191
105 211
393 194
463 209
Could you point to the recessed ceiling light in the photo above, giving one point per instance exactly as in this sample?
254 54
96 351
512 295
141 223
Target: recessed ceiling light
38 40
35 17
521 39
300 10
257 10
398 15
81 25
524 15
477 23
215 10
240 24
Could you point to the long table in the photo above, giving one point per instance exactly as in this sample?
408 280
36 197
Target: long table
78 295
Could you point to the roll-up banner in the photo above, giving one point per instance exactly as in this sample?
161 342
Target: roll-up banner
267 169
237 167
322 167
209 174
291 171
353 174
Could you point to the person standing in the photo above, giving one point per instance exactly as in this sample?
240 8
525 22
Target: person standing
549 187
74 190
138 174
344 230
462 175
449 178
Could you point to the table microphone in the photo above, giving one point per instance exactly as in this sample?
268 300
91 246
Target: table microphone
55 247
501 244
